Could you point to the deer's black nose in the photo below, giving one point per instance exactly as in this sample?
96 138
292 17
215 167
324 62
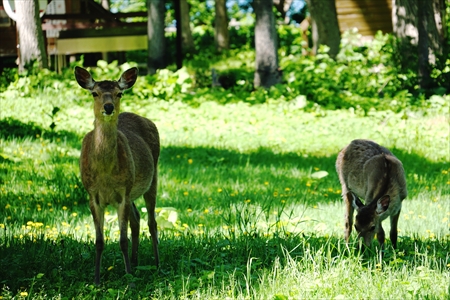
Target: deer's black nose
108 107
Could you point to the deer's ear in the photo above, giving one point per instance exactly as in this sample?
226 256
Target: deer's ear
84 78
383 204
128 78
356 203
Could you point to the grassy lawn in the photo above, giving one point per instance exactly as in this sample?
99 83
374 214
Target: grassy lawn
244 208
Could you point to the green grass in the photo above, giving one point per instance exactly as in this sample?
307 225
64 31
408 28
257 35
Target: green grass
240 212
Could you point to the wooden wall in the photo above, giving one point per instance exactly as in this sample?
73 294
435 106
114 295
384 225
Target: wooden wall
368 16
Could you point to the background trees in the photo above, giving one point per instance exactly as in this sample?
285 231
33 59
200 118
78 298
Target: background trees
421 33
266 66
325 26
31 39
221 34
156 36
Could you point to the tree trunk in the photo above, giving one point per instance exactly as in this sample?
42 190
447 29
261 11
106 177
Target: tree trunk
325 26
267 72
156 37
424 9
186 33
105 4
405 24
221 35
31 37
282 7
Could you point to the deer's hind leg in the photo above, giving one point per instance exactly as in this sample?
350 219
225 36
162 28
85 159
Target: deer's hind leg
348 199
134 225
123 212
394 230
150 203
98 214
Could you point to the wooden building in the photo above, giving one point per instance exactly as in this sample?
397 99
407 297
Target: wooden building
77 26
368 16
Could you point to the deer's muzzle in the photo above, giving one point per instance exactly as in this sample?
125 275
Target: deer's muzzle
109 109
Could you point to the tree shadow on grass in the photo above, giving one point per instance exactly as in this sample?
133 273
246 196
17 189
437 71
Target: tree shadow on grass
66 264
11 128
291 168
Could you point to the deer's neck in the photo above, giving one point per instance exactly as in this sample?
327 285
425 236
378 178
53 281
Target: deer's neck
105 141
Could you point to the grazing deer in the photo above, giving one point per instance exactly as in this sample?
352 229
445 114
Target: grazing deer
370 171
118 164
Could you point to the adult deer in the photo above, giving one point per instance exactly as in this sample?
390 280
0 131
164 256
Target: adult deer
370 171
118 164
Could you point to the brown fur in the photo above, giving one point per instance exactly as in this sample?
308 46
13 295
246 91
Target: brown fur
369 171
118 164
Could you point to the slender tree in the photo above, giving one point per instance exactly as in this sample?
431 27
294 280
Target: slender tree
325 26
420 29
282 7
424 9
31 37
221 34
105 4
267 72
156 37
186 32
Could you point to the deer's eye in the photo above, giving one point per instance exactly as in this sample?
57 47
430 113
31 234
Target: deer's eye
94 94
119 95
372 228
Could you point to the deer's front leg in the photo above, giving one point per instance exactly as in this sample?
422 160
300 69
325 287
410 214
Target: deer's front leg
98 214
381 236
134 224
123 213
348 198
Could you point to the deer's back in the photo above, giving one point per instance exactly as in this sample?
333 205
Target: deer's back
370 170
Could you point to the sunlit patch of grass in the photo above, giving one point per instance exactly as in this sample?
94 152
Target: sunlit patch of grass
240 212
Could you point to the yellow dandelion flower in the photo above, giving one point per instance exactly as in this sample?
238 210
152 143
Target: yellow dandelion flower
186 193
266 183
2 226
7 206
185 225
23 294
287 189
190 161
64 207
206 211
110 268
247 200
308 184
200 225
74 214
219 190
189 210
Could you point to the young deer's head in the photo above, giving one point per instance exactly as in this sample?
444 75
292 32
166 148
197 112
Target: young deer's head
368 218
106 93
